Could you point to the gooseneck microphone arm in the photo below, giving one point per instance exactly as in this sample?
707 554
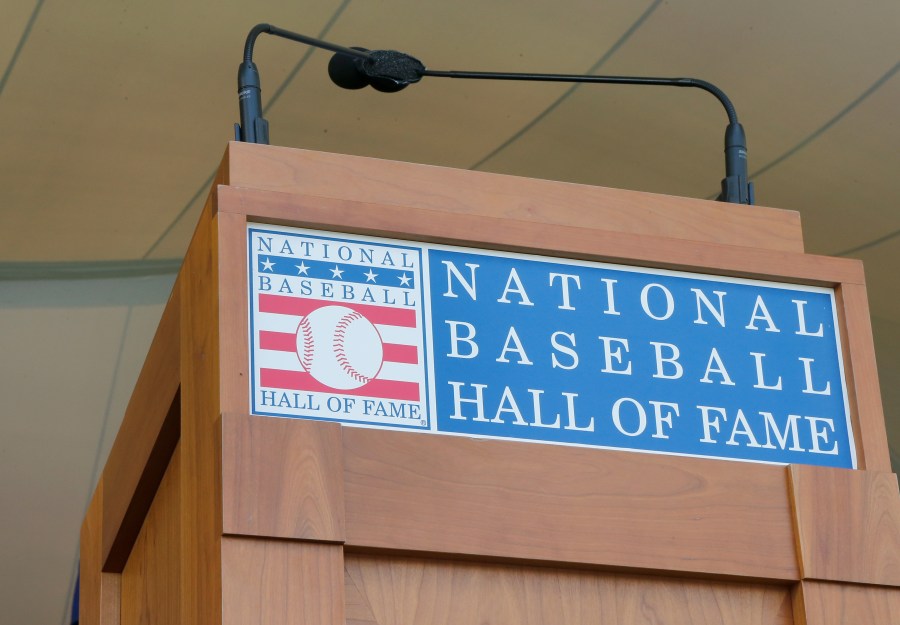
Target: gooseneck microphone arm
736 187
622 80
390 71
253 127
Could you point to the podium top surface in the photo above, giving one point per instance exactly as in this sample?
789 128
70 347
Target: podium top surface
363 179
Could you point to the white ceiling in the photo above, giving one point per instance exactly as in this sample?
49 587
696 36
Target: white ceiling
114 115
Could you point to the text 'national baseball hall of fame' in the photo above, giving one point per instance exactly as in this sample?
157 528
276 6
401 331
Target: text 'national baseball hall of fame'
395 334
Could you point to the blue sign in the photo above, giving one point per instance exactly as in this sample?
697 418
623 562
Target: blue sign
386 333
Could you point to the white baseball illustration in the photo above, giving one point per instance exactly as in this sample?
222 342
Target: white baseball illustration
339 347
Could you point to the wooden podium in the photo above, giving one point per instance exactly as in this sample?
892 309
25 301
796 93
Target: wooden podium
206 514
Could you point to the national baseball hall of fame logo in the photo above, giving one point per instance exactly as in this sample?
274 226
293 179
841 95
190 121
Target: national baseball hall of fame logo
483 343
336 328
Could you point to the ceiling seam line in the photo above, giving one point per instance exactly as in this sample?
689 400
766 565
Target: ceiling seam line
873 243
203 186
826 126
26 32
555 104
278 91
87 270
831 122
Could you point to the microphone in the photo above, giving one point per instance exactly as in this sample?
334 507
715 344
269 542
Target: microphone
390 71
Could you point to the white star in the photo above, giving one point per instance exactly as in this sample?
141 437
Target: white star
302 269
370 276
267 265
404 280
337 273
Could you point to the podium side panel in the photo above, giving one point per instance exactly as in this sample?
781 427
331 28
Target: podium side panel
144 443
151 580
200 473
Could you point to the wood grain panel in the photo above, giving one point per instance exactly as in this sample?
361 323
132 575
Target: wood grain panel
509 197
282 478
151 580
200 474
144 442
848 524
862 374
528 236
397 591
99 592
502 499
276 582
234 359
822 603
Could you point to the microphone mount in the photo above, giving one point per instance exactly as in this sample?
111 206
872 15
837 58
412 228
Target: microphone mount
390 71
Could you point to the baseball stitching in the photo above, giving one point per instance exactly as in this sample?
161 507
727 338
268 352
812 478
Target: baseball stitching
340 332
309 344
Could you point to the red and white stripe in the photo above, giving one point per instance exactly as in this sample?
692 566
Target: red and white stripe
280 367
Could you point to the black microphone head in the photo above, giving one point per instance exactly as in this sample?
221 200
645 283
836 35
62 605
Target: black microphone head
345 71
387 71
390 71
